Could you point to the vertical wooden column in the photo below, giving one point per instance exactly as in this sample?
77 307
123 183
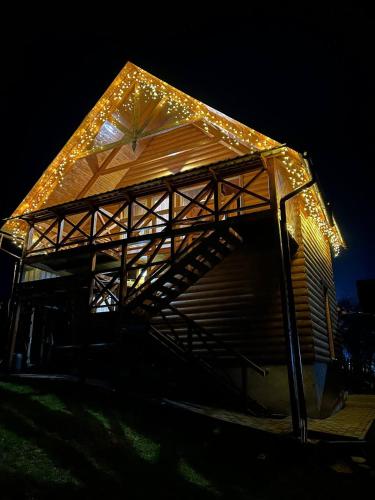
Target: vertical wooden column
123 278
30 339
60 232
216 195
85 317
130 218
15 309
170 220
92 259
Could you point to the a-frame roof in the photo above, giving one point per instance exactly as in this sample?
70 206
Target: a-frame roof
140 129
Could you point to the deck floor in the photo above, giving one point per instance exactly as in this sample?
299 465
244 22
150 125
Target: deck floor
353 421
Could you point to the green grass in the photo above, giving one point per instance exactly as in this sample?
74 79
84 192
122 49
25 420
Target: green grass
65 441
145 447
22 456
51 402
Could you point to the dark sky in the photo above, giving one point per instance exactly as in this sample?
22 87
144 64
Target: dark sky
302 76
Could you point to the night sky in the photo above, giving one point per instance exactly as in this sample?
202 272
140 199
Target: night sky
301 76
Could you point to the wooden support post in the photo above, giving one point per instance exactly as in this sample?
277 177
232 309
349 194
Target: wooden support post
29 239
170 219
30 339
130 219
85 325
216 200
93 222
14 331
123 278
15 307
216 193
123 291
60 232
91 283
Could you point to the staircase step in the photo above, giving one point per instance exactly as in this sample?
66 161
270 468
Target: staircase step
213 259
171 290
201 266
233 238
188 274
178 281
192 265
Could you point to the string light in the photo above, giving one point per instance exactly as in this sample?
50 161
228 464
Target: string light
132 86
298 176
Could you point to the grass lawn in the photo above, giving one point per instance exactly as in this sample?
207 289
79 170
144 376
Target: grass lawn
64 441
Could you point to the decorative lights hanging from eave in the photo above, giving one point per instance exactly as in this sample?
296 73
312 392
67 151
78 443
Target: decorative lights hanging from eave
298 176
183 109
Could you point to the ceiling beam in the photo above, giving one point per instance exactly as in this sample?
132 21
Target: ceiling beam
109 158
93 163
214 132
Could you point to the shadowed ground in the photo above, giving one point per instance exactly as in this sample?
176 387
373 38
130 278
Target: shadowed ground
66 441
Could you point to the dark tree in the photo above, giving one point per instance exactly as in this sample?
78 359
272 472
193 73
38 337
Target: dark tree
358 333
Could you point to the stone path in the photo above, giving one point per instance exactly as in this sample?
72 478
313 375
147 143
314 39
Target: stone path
353 421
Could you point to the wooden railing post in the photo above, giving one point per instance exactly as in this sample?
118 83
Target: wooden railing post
93 223
60 232
216 195
130 218
123 277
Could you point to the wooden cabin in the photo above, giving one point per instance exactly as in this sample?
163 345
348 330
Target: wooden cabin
163 217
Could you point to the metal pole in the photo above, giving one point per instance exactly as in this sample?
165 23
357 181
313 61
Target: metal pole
298 396
295 372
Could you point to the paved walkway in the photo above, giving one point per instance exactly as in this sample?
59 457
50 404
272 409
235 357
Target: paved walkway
353 421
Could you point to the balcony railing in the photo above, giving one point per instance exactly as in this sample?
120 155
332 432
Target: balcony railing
168 207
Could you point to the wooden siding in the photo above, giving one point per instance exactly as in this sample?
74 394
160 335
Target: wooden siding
317 263
298 270
311 273
35 274
239 302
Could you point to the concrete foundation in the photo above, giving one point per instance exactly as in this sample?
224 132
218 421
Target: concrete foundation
322 383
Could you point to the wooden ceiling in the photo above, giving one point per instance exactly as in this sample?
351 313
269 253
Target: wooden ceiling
143 129
175 150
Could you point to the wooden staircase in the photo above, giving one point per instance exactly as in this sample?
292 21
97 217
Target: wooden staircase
199 258
180 334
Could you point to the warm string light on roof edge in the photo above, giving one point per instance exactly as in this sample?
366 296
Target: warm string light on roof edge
298 176
183 109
